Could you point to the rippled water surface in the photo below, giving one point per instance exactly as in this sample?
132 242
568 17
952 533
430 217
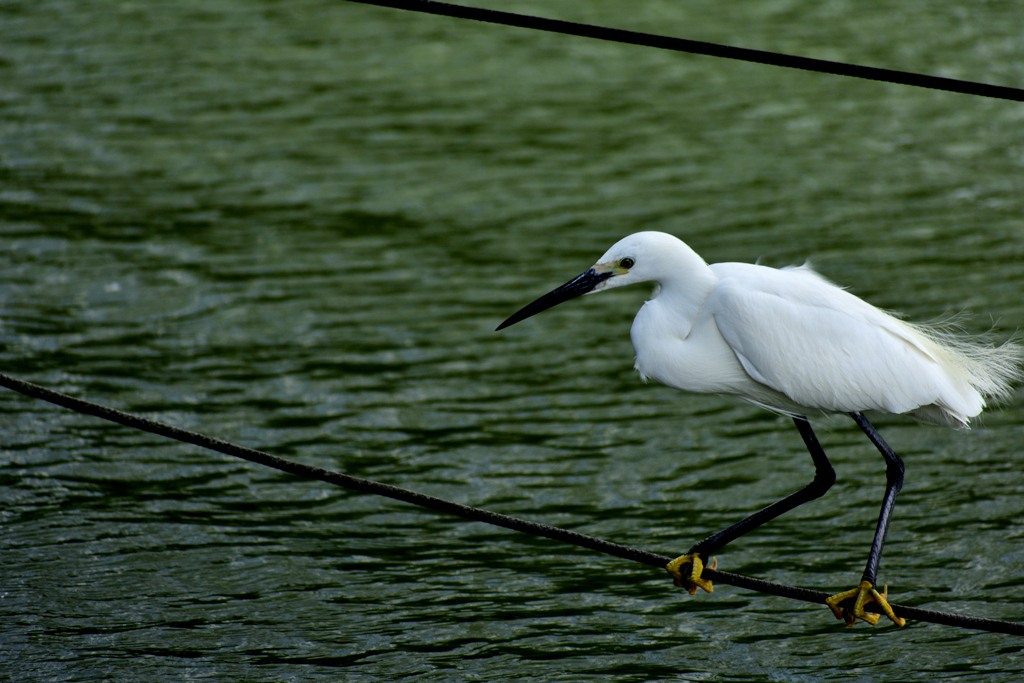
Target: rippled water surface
296 225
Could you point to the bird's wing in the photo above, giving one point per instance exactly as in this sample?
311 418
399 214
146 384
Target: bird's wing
822 347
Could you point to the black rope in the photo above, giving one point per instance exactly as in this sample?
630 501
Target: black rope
702 48
471 513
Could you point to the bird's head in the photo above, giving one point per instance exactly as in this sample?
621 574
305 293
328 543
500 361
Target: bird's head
641 257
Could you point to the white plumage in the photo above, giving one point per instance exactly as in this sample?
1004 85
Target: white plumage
791 341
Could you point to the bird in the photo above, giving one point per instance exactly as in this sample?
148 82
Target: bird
790 341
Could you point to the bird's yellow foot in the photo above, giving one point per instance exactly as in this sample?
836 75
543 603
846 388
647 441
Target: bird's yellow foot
690 580
862 595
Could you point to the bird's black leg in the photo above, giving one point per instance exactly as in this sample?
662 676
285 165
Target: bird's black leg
824 477
893 483
866 592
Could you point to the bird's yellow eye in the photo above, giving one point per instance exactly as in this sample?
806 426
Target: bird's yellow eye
627 263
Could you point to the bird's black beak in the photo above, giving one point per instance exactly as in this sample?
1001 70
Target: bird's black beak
578 286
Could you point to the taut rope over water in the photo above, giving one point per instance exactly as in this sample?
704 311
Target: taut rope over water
471 513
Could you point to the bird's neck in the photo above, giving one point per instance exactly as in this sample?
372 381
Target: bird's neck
685 291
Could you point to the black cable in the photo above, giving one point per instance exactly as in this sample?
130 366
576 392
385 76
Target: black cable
702 48
471 513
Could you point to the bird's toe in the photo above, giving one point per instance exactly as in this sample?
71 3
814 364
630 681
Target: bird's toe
690 579
862 595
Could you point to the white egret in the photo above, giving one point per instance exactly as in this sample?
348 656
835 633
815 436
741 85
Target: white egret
791 341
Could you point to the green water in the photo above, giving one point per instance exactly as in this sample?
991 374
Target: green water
296 225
